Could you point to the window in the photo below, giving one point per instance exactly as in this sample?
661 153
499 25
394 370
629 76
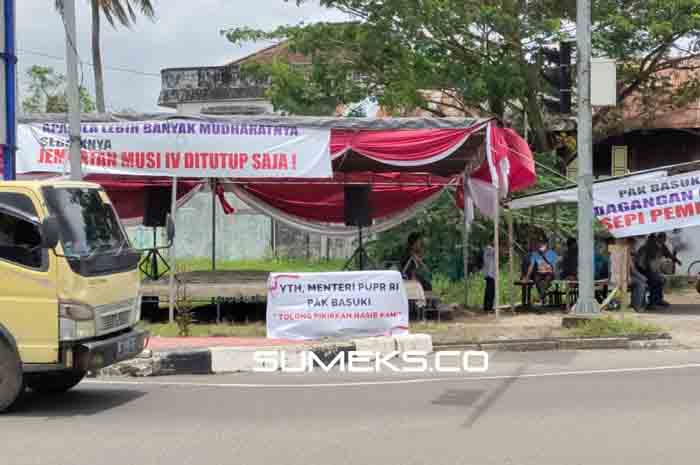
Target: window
20 242
20 202
87 224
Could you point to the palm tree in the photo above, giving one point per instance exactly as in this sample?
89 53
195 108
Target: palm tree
115 12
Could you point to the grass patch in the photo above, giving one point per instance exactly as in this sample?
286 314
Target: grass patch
208 330
610 326
452 292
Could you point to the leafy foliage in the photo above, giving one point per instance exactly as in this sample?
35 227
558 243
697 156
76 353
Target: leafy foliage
117 12
490 57
46 92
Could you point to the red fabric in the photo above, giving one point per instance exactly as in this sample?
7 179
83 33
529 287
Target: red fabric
498 147
325 201
405 147
522 162
340 141
128 192
225 206
505 143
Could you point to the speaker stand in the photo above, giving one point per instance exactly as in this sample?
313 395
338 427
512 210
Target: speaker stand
360 254
149 265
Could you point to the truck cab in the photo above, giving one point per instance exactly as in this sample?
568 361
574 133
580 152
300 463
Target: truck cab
69 286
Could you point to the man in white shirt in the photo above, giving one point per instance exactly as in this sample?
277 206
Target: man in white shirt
489 271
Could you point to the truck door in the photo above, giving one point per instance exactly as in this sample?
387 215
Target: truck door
28 297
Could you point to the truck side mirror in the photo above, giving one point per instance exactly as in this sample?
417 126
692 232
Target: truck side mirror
170 230
49 233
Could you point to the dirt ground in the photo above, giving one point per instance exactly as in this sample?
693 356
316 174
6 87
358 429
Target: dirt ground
681 320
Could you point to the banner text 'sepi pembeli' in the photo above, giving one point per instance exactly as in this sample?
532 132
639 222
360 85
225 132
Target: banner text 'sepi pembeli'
650 206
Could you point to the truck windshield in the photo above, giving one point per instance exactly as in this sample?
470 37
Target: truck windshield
88 225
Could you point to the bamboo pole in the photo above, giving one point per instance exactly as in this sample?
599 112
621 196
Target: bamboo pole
173 257
465 242
496 241
511 262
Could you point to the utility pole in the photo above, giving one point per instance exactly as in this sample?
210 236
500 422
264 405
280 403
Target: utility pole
586 304
8 84
72 91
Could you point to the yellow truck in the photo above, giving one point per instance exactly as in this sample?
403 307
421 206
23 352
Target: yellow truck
69 286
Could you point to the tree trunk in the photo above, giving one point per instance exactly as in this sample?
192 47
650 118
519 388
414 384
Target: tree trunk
97 57
534 109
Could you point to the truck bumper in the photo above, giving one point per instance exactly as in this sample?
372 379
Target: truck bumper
99 354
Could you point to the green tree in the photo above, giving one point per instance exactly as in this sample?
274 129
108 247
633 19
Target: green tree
46 92
115 12
490 56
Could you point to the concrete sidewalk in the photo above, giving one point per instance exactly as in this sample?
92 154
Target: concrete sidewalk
681 319
212 355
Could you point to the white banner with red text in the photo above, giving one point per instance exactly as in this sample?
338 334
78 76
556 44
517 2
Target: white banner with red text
339 304
649 206
183 148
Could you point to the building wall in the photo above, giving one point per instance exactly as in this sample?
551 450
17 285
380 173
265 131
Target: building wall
257 106
647 150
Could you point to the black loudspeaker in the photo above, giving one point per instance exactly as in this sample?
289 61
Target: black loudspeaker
156 206
358 209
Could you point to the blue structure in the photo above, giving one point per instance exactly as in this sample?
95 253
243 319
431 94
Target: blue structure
10 147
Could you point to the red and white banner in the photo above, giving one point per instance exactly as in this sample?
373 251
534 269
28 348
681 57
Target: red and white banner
184 148
649 206
341 304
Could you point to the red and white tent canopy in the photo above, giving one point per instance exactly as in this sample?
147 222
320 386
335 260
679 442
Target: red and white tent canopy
408 162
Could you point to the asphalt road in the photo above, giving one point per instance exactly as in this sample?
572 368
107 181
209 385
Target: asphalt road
602 408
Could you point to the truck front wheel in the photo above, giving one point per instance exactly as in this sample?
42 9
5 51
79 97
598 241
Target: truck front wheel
11 383
55 383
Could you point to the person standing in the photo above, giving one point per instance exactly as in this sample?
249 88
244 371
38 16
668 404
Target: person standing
489 270
569 266
541 271
668 253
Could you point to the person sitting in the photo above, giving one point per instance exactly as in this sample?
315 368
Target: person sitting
541 269
412 265
569 266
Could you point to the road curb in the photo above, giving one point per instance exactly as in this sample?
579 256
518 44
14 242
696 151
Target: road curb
220 360
660 341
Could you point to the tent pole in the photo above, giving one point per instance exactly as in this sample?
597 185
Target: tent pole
173 258
465 244
511 262
496 240
213 225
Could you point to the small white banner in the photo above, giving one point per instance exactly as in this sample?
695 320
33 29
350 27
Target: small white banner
649 206
340 304
184 148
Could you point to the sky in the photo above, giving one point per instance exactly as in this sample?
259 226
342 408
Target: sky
186 33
